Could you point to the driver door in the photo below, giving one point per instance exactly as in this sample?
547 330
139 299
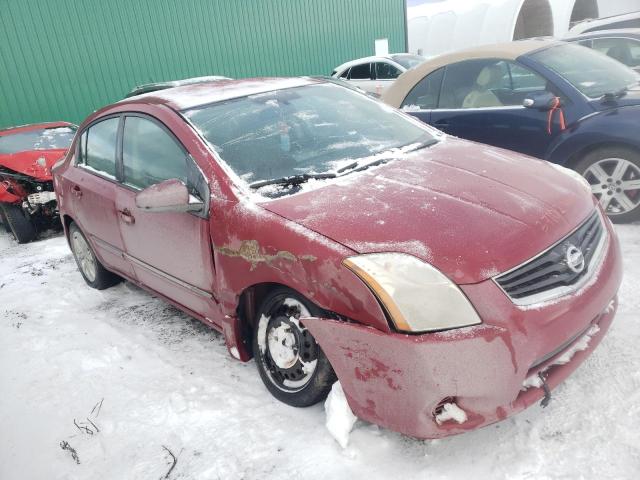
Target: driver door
170 252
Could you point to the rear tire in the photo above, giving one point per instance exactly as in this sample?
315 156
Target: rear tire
614 176
18 222
291 364
90 267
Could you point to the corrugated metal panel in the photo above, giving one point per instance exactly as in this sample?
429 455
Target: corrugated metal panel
60 60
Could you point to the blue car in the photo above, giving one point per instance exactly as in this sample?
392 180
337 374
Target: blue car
560 102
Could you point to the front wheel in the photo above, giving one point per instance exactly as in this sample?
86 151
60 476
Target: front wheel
614 176
19 223
291 364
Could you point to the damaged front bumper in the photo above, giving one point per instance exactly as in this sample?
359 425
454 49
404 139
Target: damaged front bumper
413 384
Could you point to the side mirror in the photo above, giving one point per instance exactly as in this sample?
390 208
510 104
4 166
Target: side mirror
540 101
169 196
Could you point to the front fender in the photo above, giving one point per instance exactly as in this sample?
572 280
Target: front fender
615 126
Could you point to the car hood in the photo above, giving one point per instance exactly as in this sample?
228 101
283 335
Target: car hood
34 163
470 210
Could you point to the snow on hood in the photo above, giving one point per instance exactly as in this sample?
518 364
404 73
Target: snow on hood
470 210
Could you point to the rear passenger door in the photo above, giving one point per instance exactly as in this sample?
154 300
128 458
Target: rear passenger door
92 188
170 252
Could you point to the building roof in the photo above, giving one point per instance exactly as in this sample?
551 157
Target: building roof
395 94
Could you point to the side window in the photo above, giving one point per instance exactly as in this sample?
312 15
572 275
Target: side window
425 93
345 74
150 155
386 71
360 72
98 147
488 83
524 80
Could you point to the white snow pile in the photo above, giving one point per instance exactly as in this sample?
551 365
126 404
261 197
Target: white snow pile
451 411
580 345
340 418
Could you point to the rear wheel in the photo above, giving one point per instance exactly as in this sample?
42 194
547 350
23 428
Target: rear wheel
90 267
19 223
614 176
290 362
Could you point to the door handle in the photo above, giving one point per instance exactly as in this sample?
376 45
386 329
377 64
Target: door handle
126 216
441 123
76 190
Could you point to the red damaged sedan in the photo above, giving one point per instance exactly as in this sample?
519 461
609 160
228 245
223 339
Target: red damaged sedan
27 153
330 236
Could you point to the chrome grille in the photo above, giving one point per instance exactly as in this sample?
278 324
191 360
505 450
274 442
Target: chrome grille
557 271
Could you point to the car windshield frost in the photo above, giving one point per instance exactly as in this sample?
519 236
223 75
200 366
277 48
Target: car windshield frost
591 72
313 131
43 139
408 61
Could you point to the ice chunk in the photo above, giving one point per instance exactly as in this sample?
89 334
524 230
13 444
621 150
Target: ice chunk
340 418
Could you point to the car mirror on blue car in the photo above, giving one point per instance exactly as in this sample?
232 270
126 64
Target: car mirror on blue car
540 101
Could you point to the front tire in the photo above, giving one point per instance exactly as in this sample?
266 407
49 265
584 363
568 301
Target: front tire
291 364
90 267
614 176
3 221
18 222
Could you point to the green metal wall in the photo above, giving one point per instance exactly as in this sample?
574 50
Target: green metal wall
63 59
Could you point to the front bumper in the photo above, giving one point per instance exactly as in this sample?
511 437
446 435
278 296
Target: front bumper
398 381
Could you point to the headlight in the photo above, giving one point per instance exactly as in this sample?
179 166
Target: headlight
417 297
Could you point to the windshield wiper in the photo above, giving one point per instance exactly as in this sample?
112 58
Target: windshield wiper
610 96
357 167
292 180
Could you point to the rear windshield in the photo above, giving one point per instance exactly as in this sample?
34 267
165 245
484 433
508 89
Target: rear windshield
43 139
408 61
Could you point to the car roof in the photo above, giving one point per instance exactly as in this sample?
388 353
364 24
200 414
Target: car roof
395 94
152 87
199 94
34 126
618 32
375 58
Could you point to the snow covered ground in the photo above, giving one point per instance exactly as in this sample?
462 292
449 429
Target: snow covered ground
138 376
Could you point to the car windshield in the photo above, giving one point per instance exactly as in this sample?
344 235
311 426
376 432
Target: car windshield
408 61
591 72
315 130
41 139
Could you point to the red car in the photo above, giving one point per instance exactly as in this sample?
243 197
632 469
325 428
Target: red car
27 200
328 235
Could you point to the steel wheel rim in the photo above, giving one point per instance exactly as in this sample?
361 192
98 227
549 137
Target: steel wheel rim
291 365
616 184
84 256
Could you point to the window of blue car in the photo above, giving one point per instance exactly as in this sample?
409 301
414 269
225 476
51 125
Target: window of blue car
304 130
487 83
425 94
589 71
98 147
41 139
